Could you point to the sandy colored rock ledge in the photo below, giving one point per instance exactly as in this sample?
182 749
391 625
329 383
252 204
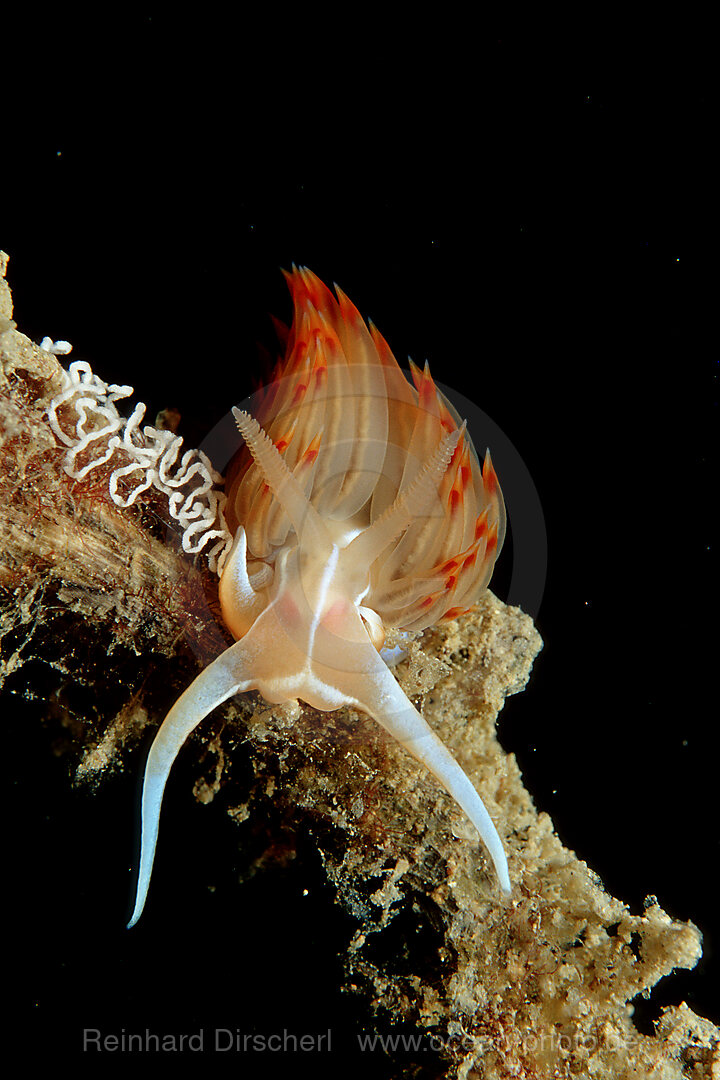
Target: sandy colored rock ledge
538 987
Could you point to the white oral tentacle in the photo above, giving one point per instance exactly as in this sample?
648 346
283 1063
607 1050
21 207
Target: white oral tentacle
239 601
379 694
225 677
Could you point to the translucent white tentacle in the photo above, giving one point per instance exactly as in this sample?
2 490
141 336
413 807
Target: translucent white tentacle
225 677
239 602
381 696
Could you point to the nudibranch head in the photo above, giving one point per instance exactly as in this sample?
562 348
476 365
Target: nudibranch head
358 504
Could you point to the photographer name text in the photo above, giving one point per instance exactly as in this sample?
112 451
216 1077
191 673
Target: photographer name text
218 1039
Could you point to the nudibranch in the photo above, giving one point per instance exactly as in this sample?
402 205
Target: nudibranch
358 504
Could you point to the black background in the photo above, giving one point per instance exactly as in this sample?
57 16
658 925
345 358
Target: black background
535 222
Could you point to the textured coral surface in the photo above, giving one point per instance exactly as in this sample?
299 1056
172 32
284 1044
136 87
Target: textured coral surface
537 987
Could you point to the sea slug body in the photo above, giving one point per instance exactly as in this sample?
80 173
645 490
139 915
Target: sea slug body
357 504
